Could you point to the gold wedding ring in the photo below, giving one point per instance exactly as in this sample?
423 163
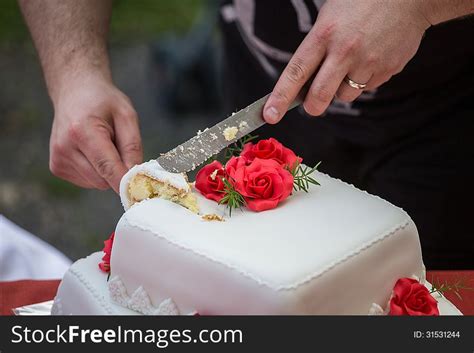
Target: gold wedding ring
354 84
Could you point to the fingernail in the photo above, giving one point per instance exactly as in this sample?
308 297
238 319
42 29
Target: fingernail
272 114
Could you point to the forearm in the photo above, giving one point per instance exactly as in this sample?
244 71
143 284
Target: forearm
438 11
70 37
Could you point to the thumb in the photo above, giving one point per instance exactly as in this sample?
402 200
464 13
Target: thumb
127 137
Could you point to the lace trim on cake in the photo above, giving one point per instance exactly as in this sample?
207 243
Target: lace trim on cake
139 301
376 309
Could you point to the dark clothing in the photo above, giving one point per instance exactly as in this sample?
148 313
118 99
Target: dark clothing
410 142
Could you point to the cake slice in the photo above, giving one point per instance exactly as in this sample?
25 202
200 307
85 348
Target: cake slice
150 180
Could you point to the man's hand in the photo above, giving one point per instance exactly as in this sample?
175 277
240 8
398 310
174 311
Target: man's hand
95 137
367 40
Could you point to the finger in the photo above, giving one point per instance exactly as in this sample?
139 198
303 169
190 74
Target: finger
68 173
127 137
377 80
302 65
347 93
324 86
61 164
85 169
99 149
74 177
77 180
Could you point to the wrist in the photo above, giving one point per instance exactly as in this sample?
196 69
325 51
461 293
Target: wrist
75 64
66 82
422 11
438 11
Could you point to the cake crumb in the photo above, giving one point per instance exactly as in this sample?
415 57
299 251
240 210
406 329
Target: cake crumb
212 217
214 174
230 133
199 132
243 125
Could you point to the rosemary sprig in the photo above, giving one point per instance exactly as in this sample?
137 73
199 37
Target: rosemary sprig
442 287
232 197
236 148
302 179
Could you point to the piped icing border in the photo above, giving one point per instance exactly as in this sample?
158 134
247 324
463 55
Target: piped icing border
215 259
57 308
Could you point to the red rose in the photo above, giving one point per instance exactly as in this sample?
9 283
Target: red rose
264 183
105 264
271 149
412 298
233 164
209 181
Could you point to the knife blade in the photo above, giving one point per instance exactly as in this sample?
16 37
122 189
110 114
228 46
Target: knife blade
192 153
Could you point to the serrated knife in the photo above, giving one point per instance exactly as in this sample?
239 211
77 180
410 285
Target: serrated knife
211 141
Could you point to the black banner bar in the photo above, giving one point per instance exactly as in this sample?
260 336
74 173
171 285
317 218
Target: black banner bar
237 334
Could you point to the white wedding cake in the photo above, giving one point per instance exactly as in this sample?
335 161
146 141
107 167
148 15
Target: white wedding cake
332 250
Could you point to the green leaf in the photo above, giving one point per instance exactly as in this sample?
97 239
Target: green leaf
302 179
235 149
232 197
438 287
458 295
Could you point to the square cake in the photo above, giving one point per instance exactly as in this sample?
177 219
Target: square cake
332 250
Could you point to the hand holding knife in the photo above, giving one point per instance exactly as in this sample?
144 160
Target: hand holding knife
190 154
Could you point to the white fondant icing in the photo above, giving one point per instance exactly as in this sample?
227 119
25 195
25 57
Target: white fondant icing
375 310
152 169
290 260
86 293
57 308
81 279
316 230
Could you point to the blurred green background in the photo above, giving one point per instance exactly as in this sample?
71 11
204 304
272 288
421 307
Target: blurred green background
132 21
163 53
